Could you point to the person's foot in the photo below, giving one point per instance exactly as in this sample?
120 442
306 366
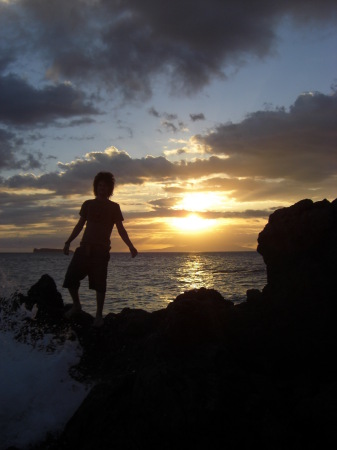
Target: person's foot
98 322
73 311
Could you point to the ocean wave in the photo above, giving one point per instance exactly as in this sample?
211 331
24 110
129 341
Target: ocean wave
38 391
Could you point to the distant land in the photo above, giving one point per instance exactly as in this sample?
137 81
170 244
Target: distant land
49 250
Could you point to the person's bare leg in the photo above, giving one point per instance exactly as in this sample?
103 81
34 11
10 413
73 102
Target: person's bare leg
76 308
100 297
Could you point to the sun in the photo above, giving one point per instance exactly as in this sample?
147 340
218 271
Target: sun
199 201
192 223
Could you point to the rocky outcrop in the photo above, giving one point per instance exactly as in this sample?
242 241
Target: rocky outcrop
45 296
208 376
299 247
204 373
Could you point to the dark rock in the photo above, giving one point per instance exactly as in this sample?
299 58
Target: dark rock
316 414
254 295
204 373
132 322
299 247
196 316
45 295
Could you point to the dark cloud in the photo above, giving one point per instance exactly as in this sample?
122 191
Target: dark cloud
76 177
257 189
161 203
13 155
35 136
180 213
22 104
127 129
82 121
268 155
34 160
170 126
167 116
170 121
81 138
163 207
28 214
195 117
7 145
153 112
246 214
22 210
127 44
5 60
299 144
173 127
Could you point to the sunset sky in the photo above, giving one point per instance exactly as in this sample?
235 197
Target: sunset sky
210 114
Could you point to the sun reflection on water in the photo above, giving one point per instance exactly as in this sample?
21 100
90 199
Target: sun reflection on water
194 274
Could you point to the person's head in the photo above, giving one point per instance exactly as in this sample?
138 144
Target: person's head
108 179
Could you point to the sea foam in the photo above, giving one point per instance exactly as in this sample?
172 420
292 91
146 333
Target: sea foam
37 393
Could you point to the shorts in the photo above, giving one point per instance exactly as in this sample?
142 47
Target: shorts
88 260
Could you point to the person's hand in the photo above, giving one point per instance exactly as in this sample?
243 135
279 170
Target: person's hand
66 248
133 252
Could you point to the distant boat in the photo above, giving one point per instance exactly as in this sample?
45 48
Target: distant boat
49 250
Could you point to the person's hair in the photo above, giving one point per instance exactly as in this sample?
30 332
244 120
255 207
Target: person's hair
107 178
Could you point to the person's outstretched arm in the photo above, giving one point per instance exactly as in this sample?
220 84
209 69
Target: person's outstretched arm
124 235
76 231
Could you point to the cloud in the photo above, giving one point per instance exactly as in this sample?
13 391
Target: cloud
23 104
161 203
7 158
128 44
166 207
162 212
172 127
82 121
13 154
21 210
170 121
76 177
28 214
254 189
167 116
153 112
299 144
195 117
270 155
34 161
174 152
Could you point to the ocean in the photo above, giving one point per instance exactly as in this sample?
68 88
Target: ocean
150 281
38 395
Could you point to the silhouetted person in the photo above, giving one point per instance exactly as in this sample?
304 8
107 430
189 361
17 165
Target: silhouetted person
92 256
